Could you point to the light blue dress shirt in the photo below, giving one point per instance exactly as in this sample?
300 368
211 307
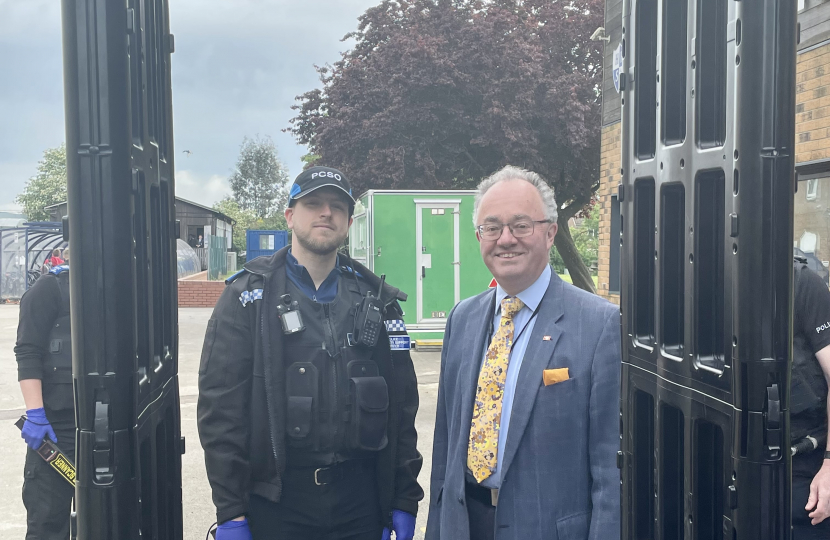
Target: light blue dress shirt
531 297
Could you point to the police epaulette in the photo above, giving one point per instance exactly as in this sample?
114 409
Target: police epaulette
351 270
233 277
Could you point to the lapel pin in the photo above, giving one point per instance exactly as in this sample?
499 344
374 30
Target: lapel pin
545 338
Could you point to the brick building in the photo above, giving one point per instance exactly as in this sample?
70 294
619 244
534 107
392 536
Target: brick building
812 202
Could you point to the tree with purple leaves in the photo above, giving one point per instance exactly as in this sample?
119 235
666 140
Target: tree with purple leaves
438 94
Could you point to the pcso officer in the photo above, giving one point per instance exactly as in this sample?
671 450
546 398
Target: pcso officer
307 393
44 369
808 404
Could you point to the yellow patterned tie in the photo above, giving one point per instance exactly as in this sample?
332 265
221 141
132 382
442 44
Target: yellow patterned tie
482 452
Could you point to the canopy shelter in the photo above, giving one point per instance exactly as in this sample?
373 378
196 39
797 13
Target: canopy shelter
23 250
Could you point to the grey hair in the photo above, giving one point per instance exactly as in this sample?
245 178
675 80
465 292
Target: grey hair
515 173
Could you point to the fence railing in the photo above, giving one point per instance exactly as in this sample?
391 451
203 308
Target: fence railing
217 257
203 257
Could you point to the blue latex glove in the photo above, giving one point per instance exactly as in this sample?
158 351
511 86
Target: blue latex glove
403 523
234 530
36 428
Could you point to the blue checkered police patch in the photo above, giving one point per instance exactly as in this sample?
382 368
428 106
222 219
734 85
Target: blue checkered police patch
396 325
249 296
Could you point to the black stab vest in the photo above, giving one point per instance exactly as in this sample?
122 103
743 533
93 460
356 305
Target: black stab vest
327 380
57 362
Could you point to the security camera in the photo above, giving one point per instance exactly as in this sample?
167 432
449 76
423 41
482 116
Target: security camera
599 35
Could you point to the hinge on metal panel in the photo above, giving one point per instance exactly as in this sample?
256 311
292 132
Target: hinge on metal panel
171 44
773 422
620 192
101 450
620 459
184 445
733 218
131 21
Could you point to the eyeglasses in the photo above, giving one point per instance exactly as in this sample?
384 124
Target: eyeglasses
519 229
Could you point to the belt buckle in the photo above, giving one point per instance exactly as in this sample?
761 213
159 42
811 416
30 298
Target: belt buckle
316 480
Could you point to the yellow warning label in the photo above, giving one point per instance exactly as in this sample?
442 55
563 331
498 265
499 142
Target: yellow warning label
64 468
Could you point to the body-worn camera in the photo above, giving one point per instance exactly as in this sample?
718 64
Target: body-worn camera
289 312
368 318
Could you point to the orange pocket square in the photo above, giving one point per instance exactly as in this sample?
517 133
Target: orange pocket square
553 376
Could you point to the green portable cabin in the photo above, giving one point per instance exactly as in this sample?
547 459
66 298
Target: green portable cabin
425 243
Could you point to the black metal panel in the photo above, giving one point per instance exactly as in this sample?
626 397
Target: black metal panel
706 269
123 280
645 78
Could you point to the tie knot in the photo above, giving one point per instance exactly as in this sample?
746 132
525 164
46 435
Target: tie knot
510 306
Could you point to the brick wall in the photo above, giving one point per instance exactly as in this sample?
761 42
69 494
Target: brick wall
812 118
609 174
199 293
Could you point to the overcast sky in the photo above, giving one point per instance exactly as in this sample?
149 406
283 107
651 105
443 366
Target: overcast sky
237 67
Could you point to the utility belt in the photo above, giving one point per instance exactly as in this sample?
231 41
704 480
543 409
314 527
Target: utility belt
331 474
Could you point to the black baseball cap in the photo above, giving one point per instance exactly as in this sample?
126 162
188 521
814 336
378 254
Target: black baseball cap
316 178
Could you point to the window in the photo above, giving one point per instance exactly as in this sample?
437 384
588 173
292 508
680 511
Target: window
812 189
811 223
266 241
359 238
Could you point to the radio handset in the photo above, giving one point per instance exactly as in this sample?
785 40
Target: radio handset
369 318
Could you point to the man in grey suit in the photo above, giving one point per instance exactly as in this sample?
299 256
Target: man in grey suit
527 432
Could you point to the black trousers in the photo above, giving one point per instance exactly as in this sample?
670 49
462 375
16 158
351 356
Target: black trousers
346 507
47 496
805 468
481 512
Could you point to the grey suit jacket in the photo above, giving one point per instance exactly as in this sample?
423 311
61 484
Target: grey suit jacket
559 474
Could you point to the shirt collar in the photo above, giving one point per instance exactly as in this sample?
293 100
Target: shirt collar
293 266
530 297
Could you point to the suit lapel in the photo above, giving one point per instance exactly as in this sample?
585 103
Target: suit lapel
536 358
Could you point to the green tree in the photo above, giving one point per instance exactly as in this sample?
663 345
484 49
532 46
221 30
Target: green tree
47 187
247 220
585 236
438 94
260 180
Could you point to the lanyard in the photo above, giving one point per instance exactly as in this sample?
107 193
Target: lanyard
515 336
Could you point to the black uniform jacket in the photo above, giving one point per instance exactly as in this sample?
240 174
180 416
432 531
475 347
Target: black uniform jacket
39 308
241 408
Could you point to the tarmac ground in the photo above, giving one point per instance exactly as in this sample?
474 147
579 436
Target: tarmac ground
199 512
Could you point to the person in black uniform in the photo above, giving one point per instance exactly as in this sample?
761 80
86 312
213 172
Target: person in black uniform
808 405
306 412
44 370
